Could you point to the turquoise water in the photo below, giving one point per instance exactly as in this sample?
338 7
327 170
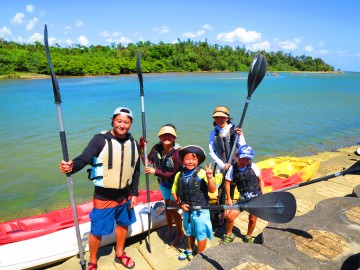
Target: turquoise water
287 115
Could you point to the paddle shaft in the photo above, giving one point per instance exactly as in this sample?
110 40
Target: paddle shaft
64 148
240 125
139 73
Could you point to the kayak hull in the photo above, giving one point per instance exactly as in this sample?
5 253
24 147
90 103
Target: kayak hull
58 245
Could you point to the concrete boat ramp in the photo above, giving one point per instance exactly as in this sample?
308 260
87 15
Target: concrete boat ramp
325 234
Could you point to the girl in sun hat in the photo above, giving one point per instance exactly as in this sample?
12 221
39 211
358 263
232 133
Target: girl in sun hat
190 188
221 141
164 162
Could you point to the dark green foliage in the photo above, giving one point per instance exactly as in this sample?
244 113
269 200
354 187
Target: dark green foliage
184 56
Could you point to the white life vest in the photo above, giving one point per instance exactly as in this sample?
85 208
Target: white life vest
115 165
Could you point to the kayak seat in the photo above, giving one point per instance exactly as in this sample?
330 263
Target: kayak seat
14 227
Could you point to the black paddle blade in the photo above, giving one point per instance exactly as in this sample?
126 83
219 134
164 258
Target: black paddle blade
256 73
278 207
354 169
139 73
52 73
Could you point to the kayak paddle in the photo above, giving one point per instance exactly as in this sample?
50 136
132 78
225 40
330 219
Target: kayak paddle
354 169
57 97
256 74
139 73
273 207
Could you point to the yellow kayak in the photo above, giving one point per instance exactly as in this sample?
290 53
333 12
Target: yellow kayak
277 173
282 172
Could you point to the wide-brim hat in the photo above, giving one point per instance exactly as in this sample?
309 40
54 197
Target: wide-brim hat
221 111
167 130
193 149
123 110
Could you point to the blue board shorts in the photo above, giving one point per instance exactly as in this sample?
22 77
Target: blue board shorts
102 220
200 225
166 193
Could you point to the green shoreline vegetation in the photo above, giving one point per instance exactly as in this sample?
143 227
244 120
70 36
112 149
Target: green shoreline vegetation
29 60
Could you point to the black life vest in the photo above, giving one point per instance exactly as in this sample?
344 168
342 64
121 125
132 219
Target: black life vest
165 162
193 192
224 144
245 181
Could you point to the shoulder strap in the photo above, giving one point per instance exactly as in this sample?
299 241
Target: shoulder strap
110 149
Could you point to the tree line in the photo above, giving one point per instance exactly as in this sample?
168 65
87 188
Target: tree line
184 56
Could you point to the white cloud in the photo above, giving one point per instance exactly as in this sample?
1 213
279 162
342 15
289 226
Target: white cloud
193 35
30 25
52 40
69 42
18 18
288 45
239 34
4 31
265 45
207 27
66 29
79 23
35 37
122 40
161 30
20 39
83 40
323 52
321 44
309 48
104 34
30 8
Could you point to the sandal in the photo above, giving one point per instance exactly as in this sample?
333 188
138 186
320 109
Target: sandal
184 255
248 239
92 266
226 239
126 264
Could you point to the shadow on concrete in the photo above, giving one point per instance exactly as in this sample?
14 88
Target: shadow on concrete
293 231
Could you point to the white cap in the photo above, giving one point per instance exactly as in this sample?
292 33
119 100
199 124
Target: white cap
123 110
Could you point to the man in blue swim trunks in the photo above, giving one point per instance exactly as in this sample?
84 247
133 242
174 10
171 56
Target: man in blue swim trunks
114 157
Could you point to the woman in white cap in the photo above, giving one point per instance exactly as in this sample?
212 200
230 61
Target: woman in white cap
164 157
111 154
221 141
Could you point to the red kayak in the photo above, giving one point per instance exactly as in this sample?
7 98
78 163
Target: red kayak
35 226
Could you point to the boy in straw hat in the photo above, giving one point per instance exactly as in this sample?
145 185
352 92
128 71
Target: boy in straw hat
190 188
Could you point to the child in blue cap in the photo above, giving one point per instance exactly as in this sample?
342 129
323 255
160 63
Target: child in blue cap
246 175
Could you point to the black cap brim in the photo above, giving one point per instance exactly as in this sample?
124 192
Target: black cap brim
193 149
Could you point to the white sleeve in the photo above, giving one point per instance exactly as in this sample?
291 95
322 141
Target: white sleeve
256 169
241 141
212 154
229 174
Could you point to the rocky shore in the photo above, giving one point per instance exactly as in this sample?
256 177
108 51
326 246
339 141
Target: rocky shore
325 233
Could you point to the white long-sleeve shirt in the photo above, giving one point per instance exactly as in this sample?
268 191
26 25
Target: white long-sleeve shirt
223 131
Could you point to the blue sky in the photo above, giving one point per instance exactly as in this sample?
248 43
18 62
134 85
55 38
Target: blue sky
317 28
